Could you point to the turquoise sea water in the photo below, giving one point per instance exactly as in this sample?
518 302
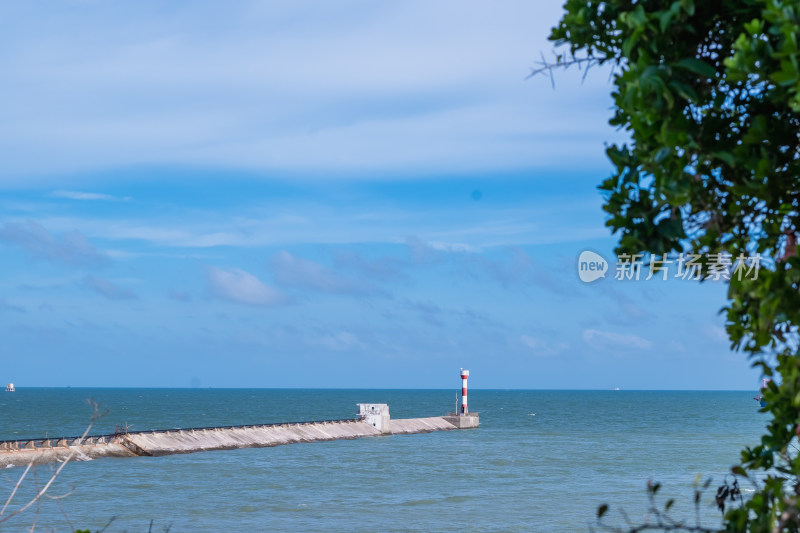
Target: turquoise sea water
541 460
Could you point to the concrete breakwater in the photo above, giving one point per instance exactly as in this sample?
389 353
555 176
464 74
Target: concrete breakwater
373 420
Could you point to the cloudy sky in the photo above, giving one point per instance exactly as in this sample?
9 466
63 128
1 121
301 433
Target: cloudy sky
309 194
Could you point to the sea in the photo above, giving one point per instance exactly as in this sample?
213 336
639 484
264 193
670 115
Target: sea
540 461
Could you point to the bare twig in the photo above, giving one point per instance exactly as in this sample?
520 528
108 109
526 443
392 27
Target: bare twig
107 524
13 492
38 500
64 514
545 66
61 496
40 492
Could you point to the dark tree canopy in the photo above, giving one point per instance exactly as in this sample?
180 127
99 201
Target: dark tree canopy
709 92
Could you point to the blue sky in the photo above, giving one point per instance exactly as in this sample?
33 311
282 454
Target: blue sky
305 194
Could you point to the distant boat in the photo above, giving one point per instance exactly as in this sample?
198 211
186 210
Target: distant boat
10 387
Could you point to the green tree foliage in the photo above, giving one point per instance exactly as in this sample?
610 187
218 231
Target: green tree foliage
709 92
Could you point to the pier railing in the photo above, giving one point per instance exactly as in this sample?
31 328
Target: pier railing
47 443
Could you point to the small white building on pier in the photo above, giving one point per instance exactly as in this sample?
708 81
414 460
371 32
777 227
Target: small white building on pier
375 414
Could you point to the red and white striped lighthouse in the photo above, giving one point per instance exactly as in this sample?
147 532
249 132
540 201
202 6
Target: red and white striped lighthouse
464 376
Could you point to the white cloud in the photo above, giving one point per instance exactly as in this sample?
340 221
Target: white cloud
341 341
380 268
541 348
77 195
454 247
340 87
717 333
453 228
71 247
294 271
5 305
676 347
236 285
607 339
108 289
180 296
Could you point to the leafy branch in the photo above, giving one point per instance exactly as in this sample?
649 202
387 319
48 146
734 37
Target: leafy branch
709 94
659 517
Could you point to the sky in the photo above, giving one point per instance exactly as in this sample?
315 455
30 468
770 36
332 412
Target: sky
342 194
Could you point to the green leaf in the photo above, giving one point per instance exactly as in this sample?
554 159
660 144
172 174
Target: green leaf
697 66
754 27
670 228
683 90
727 157
662 154
637 17
784 77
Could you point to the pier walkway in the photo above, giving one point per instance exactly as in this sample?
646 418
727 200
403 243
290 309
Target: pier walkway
374 421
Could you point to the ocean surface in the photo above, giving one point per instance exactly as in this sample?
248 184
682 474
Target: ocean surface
540 461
